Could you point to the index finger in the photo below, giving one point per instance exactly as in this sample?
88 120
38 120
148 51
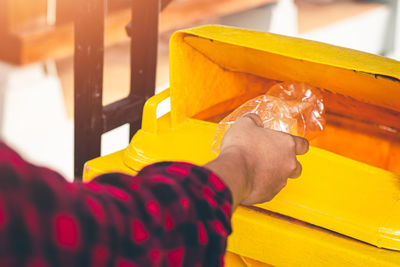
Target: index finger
301 145
255 118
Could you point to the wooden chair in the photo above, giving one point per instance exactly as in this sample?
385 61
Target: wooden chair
91 118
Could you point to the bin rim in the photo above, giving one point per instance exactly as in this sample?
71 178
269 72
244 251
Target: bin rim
307 50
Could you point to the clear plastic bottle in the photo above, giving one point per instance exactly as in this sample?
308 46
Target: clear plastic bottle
295 108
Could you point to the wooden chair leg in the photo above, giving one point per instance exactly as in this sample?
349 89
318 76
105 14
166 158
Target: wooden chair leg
88 81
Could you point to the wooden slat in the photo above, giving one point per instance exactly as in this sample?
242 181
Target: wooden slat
127 110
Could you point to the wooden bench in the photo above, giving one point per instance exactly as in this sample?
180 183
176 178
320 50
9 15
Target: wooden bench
28 36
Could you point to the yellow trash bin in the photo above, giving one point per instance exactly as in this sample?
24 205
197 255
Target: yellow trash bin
345 208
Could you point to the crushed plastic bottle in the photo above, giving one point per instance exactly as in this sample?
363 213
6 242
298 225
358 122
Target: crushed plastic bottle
295 108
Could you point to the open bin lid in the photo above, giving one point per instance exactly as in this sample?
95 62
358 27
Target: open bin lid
215 66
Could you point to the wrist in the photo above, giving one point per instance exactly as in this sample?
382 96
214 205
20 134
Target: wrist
232 169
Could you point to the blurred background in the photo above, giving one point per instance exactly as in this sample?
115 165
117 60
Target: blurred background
37 45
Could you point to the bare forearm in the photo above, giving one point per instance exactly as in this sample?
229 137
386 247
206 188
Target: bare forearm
230 167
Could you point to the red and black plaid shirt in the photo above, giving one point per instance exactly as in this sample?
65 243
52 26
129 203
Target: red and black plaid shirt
170 214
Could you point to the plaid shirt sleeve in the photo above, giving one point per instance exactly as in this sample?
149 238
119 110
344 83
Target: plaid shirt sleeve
170 214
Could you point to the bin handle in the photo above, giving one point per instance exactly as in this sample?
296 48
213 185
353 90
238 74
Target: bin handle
149 120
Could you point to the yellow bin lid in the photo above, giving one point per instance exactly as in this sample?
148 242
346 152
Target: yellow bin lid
215 66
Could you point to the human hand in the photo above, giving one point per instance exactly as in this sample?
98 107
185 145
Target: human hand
255 162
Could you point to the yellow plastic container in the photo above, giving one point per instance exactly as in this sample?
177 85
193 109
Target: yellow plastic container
345 208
